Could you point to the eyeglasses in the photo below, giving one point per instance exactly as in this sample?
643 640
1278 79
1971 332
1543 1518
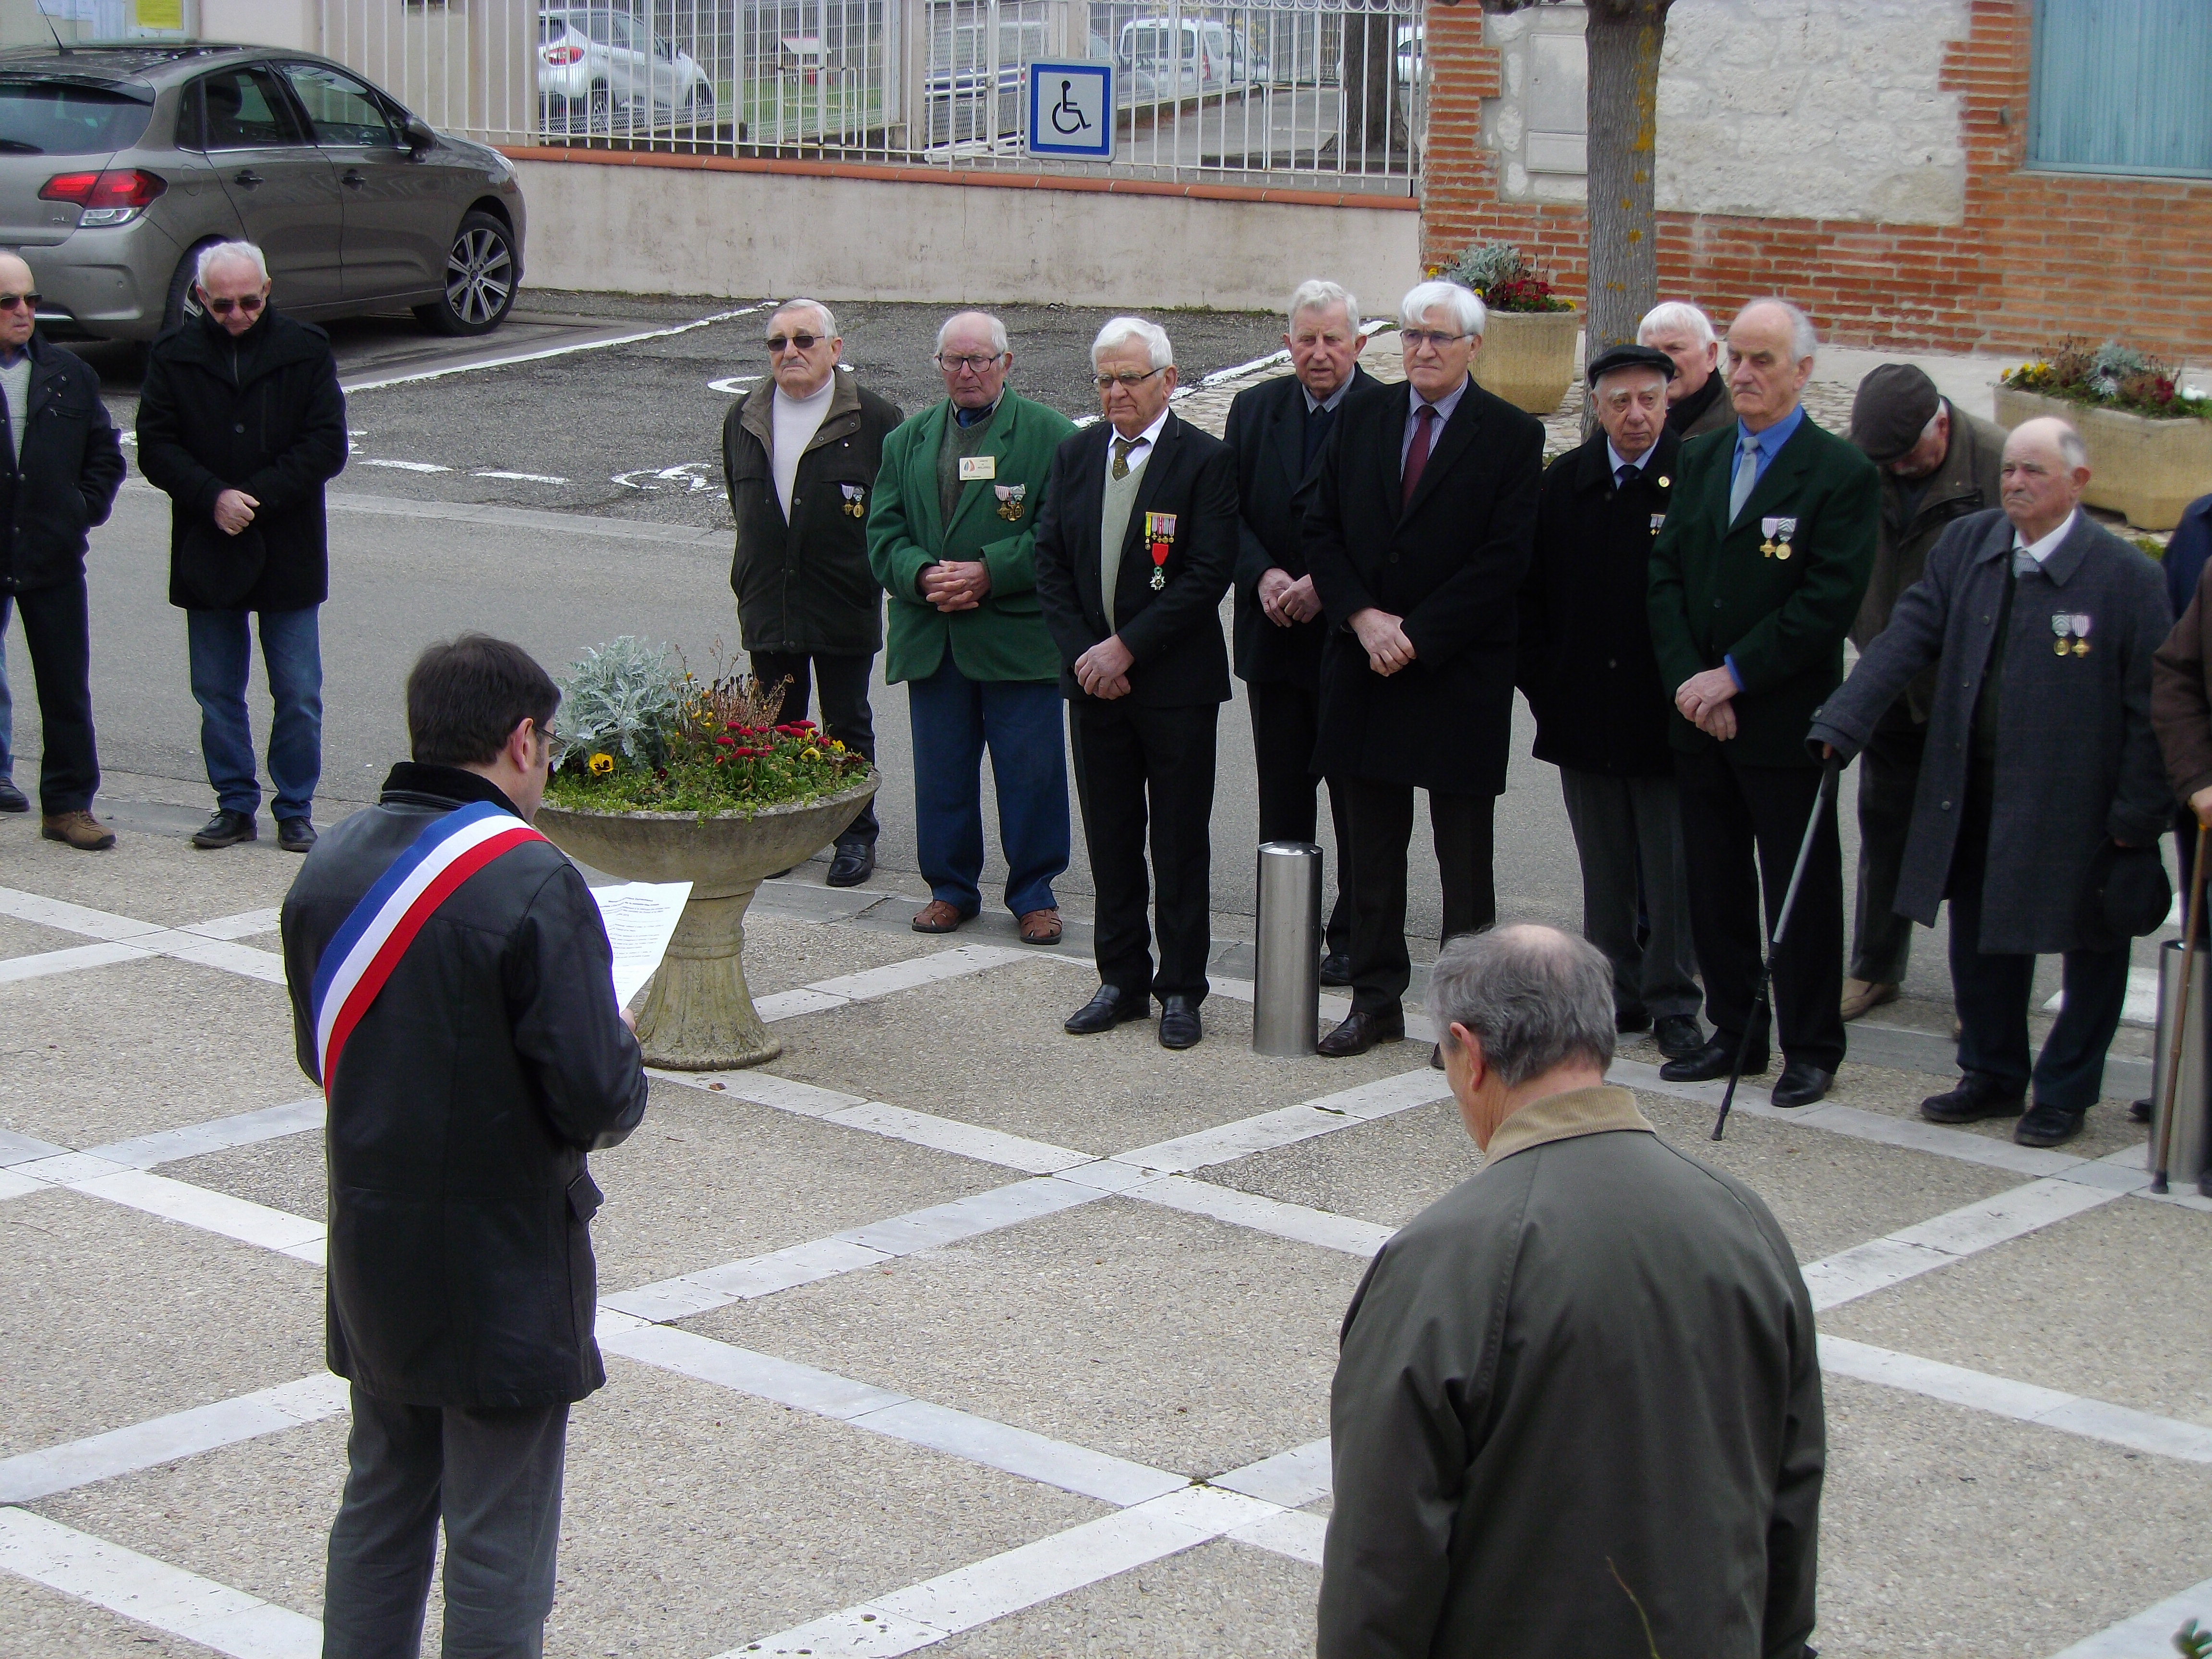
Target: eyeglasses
248 303
1126 381
28 301
797 342
952 363
1435 336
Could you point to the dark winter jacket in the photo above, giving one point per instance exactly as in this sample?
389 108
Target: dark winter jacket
261 413
494 1059
804 585
64 481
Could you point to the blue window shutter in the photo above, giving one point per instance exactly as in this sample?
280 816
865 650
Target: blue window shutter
2121 86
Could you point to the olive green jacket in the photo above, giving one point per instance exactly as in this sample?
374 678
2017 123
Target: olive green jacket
1004 637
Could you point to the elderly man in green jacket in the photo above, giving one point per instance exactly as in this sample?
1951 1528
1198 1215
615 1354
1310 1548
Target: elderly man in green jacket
949 538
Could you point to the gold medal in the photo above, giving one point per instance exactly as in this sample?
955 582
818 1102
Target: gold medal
1782 549
2081 647
1766 550
2062 647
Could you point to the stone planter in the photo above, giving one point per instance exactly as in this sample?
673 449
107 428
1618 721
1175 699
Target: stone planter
1528 358
698 1013
2149 470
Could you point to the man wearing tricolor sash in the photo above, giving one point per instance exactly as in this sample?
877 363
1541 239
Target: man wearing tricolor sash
452 992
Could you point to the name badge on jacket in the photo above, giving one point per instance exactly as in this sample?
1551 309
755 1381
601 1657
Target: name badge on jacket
973 467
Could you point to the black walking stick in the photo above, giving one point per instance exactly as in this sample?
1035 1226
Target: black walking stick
2189 925
1762 1001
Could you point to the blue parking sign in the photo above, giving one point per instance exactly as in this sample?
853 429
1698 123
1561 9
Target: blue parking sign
1072 110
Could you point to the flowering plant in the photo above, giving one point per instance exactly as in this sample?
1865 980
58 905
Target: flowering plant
1505 277
2114 376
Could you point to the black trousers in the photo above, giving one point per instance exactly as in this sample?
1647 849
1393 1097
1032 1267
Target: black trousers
1889 776
844 714
1285 720
494 1478
57 630
1138 769
1382 816
1741 827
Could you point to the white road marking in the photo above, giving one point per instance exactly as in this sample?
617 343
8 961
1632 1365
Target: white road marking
407 466
2149 1634
521 478
691 475
733 385
541 355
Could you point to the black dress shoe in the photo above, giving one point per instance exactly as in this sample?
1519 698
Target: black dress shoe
294 835
855 861
1975 1097
1335 967
1630 1024
1179 1026
2139 1111
13 800
1359 1032
1679 1036
1801 1083
225 828
1111 1006
1713 1060
2048 1126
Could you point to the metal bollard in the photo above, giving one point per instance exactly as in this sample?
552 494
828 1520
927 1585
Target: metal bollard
1286 981
2186 1151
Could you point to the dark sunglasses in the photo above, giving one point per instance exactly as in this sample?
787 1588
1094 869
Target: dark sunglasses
248 303
28 301
803 342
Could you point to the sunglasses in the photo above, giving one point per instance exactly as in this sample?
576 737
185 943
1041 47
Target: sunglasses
28 301
1106 382
797 342
248 303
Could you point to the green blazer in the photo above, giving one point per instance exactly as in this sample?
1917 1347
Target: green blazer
1004 637
1715 595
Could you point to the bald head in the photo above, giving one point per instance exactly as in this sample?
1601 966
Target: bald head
2046 468
1770 345
21 314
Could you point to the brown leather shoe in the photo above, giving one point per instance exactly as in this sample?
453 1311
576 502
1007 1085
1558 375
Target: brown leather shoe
1040 927
1864 996
938 917
1360 1032
80 829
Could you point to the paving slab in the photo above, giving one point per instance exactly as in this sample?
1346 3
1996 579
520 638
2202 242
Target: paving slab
113 1316
1387 1171
28 939
2112 1304
146 1045
151 877
38 1623
1160 1337
287 1173
782 953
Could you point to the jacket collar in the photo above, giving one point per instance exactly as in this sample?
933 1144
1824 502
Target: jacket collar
758 417
998 438
274 343
1566 1117
1776 484
1953 479
1594 465
419 783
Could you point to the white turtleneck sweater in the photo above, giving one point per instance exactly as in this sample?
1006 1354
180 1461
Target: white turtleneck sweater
796 420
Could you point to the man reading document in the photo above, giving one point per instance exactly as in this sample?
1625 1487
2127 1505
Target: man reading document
451 991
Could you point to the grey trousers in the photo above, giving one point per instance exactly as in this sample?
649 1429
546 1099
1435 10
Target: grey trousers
494 1477
1618 823
1889 776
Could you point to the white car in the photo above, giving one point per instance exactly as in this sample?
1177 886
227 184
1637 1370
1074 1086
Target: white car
594 59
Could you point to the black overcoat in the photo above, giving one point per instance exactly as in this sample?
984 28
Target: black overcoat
261 413
2077 760
460 1254
63 482
1449 562
1266 429
1587 664
804 584
1175 632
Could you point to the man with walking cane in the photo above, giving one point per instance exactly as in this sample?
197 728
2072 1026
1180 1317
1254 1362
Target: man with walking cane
2042 798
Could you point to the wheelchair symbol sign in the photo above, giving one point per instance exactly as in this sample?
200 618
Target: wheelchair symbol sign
1071 110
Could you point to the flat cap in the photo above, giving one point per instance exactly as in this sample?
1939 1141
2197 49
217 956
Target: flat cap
1894 406
1630 356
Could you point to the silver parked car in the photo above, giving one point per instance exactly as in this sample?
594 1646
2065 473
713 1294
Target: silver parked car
118 163
594 59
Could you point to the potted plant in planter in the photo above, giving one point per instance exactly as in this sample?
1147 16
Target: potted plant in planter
1528 355
664 777
2150 441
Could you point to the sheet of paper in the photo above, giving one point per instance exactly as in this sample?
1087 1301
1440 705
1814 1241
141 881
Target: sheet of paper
640 918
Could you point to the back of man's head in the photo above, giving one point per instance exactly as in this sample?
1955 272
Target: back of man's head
465 695
1534 998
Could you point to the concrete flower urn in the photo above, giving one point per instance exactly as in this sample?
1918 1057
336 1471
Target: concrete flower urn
698 1013
2147 468
1528 358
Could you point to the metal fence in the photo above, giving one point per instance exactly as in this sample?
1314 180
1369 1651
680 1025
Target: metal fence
1232 92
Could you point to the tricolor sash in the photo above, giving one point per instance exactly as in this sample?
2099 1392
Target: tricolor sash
361 955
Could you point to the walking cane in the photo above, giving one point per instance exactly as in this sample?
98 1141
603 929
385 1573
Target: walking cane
2189 924
1762 1001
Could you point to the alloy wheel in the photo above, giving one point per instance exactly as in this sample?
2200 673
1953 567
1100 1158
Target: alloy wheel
479 276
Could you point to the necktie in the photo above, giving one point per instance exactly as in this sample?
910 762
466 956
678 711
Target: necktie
1318 422
1621 478
2023 562
1424 420
1121 449
1746 474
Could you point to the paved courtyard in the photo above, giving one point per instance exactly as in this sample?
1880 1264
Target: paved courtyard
946 1330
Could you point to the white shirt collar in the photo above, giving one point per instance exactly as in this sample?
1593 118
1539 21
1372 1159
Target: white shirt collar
1140 448
2046 546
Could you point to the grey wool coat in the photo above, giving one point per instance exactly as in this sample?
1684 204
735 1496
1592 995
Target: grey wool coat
2076 758
1594 1357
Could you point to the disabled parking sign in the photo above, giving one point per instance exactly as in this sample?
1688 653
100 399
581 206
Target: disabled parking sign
1072 110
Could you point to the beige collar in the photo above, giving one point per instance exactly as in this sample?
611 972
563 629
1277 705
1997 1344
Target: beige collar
1564 1118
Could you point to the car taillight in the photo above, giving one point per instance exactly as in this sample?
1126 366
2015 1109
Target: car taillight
563 54
117 187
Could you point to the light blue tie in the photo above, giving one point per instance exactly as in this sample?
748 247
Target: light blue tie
1746 474
2024 563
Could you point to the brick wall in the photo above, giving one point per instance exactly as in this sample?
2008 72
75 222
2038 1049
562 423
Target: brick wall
2040 255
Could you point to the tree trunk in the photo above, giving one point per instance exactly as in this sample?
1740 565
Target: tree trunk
1370 67
1623 42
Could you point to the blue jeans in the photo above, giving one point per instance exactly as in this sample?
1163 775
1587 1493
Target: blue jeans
221 653
954 720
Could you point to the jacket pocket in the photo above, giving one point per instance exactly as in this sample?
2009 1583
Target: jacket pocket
584 1197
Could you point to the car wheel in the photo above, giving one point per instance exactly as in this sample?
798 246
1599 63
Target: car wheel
601 102
480 279
181 305
702 101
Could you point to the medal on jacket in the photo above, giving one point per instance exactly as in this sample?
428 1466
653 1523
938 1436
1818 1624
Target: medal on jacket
1777 532
2073 631
856 498
1159 532
1010 500
1658 522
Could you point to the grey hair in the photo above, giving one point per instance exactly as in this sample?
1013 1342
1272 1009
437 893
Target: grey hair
998 329
1118 329
1466 306
2069 443
1315 294
216 252
1671 314
1534 998
1803 342
829 320
1934 420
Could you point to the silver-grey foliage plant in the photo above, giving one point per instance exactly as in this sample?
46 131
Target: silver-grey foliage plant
2113 363
619 696
1486 265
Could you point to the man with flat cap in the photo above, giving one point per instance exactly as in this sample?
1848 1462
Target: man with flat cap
1938 463
1592 680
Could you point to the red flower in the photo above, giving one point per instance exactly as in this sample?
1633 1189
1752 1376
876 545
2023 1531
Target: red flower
727 743
804 726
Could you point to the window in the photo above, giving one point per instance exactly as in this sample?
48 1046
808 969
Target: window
2121 86
60 118
340 109
241 109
